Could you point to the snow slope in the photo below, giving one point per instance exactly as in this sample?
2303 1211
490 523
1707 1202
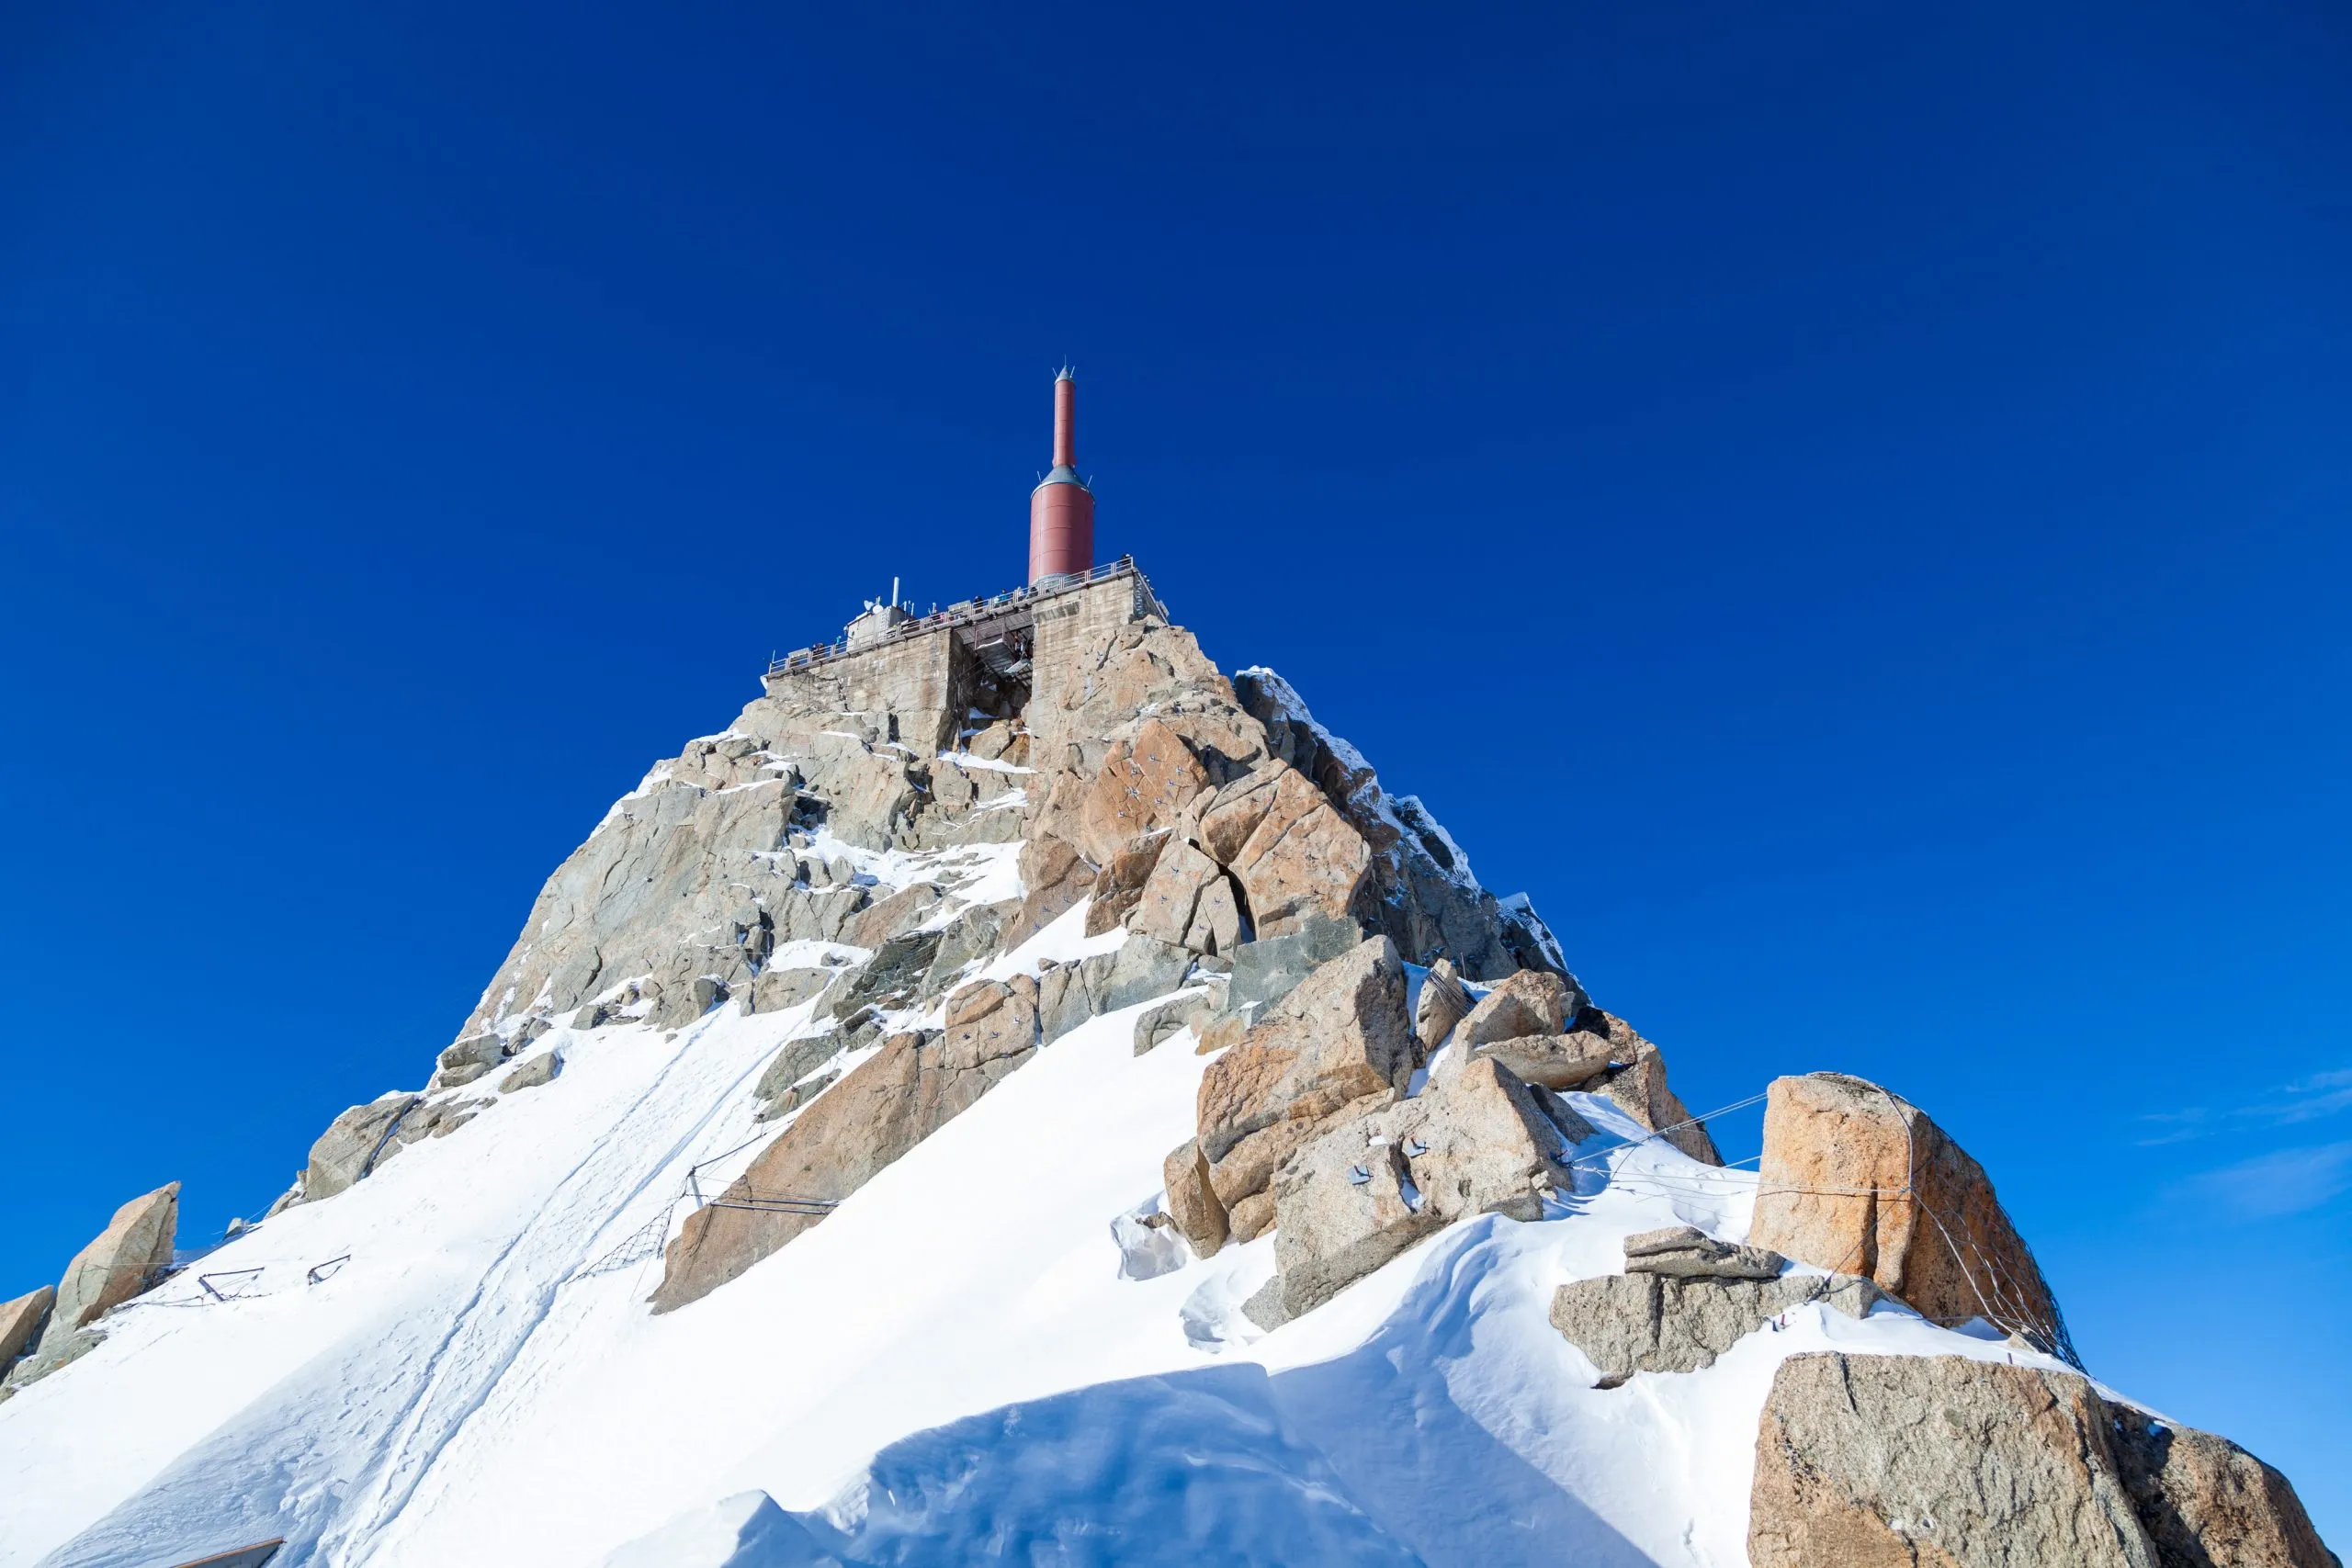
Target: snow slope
951 1365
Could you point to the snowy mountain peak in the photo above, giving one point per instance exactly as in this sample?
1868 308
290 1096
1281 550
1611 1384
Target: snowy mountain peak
1014 1092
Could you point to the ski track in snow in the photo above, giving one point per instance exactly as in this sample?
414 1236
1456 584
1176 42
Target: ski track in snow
515 1295
410 1417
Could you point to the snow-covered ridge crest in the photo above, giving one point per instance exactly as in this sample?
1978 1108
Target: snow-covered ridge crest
1423 876
1127 1133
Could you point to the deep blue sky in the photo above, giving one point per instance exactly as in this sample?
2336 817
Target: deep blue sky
1847 504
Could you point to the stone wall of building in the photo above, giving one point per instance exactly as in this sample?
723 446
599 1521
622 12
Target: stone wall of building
903 687
916 690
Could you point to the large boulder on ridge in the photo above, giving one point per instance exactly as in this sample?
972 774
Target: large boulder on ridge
124 1261
348 1151
1533 1001
1855 1178
1951 1462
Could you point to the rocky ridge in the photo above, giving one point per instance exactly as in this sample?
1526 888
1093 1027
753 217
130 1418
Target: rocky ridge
1392 1051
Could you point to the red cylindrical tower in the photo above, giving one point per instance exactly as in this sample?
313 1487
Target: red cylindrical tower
1061 509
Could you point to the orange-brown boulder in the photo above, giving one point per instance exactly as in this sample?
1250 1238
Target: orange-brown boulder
1533 1001
1054 878
1144 786
1192 1203
1293 853
1118 887
1856 1179
1165 906
1339 1035
123 1260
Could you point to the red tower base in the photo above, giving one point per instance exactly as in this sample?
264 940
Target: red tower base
1061 528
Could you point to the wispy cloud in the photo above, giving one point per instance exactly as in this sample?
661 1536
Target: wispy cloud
2284 1181
2307 1100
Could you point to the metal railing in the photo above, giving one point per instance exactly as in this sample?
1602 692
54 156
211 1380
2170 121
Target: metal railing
962 614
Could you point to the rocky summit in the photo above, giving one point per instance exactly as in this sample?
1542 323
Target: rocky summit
1017 1092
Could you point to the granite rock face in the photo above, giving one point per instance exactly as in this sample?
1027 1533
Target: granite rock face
1961 1463
1339 1035
1418 889
533 1072
1686 1298
1296 857
1192 1203
1444 1001
1531 1002
1550 1061
2205 1502
1054 878
1477 1141
132 1254
1118 887
1165 906
1658 1323
21 1323
897 1098
1141 788
1858 1179
1685 1252
1270 968
348 1151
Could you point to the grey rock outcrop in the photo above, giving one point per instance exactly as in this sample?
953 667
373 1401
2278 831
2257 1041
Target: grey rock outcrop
1685 1252
469 1059
776 989
131 1255
1418 889
1270 968
533 1072
893 977
1960 1463
1137 971
348 1151
1444 1001
964 943
431 1118
1856 1178
800 1058
1477 1141
1686 1298
1156 1025
1550 1061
